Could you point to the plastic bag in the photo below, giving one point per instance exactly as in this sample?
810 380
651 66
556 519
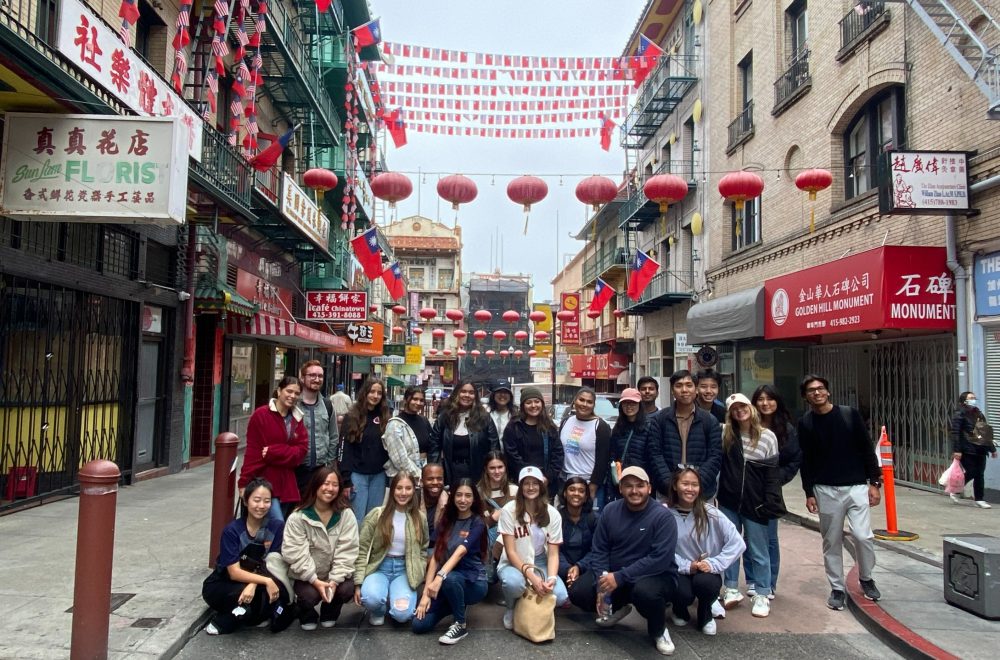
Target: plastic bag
956 480
943 479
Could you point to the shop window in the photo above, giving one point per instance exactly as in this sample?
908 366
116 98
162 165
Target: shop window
446 278
438 343
416 278
747 231
440 305
875 129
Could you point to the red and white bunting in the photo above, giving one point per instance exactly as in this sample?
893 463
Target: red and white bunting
519 119
533 105
498 59
509 133
537 91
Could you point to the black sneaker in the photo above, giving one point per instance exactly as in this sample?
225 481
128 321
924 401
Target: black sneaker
871 591
837 600
454 634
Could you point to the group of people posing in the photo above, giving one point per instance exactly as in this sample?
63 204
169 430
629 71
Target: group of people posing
414 520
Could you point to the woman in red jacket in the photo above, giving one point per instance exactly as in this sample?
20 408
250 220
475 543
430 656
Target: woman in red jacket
277 441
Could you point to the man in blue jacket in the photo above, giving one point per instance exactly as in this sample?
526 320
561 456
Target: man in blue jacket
684 434
632 559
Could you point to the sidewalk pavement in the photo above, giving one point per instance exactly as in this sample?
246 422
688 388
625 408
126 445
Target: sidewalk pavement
912 616
161 558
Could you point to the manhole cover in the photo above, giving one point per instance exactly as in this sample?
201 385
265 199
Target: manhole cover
149 622
117 600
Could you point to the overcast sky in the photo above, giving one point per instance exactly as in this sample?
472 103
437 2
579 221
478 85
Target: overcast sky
518 27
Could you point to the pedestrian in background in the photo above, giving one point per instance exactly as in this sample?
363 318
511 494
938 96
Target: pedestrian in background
971 444
320 546
462 435
586 445
501 404
708 382
533 439
277 441
362 454
321 421
341 401
841 478
774 415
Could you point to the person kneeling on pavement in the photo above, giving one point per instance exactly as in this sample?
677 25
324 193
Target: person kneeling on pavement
243 589
632 560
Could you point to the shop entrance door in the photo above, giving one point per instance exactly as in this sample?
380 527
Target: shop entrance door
150 403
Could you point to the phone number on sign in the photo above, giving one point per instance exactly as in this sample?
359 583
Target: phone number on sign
845 320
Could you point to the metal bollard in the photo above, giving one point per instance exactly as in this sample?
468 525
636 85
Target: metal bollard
891 532
223 485
95 546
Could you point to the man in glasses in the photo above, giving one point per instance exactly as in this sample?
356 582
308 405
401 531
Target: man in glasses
841 477
317 413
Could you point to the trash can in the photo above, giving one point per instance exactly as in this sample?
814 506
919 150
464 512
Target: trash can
972 573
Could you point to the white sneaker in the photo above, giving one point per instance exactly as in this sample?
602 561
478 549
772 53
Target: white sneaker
328 624
983 504
709 628
718 611
376 620
731 598
679 622
308 627
761 606
210 629
955 498
508 619
664 644
751 590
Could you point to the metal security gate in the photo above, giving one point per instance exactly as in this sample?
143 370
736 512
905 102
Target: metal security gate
907 385
67 386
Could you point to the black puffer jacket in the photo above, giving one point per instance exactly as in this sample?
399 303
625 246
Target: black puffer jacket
520 454
752 488
963 423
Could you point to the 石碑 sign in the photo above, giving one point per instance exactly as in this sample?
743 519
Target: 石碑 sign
336 305
569 330
94 168
924 182
891 287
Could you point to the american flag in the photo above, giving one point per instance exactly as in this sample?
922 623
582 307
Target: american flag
236 108
245 4
252 127
242 71
258 61
219 47
221 8
125 32
213 82
241 35
183 18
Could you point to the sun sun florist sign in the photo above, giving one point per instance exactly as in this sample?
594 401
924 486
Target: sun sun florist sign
94 168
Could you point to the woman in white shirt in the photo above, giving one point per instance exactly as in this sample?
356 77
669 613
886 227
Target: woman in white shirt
749 495
531 529
586 441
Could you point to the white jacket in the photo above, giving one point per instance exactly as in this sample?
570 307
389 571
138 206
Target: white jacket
313 551
721 543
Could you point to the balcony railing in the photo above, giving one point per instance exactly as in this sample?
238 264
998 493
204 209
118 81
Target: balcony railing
854 26
673 283
637 200
793 83
223 167
610 254
741 128
659 96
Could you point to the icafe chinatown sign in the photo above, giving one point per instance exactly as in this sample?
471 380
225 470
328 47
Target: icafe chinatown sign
891 287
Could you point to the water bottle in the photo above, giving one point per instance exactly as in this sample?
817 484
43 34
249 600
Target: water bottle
604 607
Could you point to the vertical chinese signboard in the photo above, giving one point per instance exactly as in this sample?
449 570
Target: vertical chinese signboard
569 330
544 347
302 213
94 168
925 182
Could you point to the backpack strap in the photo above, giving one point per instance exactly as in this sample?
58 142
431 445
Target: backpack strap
329 409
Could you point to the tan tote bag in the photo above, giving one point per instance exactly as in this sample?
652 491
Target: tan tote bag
534 614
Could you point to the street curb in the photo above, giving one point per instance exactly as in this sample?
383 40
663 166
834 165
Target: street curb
870 614
193 629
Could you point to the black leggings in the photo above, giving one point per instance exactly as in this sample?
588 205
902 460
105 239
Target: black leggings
222 595
650 596
974 466
701 586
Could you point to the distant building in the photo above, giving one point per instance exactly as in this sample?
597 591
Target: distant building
498 293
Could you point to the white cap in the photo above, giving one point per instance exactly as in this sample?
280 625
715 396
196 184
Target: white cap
736 398
530 471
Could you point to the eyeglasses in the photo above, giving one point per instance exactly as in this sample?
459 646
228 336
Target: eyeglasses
315 376
814 390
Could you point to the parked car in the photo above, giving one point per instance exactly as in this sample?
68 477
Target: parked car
605 407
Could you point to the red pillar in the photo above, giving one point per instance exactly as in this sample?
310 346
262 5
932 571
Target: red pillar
95 545
223 485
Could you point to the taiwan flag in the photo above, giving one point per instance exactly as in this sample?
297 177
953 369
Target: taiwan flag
602 294
645 60
266 159
368 34
393 278
368 252
643 269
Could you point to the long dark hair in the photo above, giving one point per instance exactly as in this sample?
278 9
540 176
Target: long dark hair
484 481
782 418
699 511
449 412
413 510
340 502
585 390
285 382
622 425
444 524
492 402
357 417
409 393
248 490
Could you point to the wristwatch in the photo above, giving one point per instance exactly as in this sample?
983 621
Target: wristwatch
877 484
442 574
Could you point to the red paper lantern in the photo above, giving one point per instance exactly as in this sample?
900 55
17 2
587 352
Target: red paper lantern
319 180
812 181
738 187
437 333
432 351
491 354
565 315
596 190
392 187
527 190
618 313
510 316
475 353
518 353
532 353
537 316
455 314
593 313
482 315
541 335
457 189
665 189
479 334
520 335
504 353
418 331
458 334
499 335
399 309
446 351
427 313
462 353
397 329
372 308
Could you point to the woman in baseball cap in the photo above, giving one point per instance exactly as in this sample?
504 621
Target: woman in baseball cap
531 530
628 439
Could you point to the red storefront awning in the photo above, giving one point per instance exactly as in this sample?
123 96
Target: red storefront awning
282 331
891 287
604 366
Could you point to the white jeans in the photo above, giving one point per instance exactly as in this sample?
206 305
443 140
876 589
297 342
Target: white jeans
835 504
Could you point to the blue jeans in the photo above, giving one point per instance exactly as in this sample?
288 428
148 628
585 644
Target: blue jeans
275 513
773 551
388 588
368 492
455 596
756 536
513 584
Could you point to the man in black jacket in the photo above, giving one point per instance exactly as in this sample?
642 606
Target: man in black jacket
841 478
684 434
708 383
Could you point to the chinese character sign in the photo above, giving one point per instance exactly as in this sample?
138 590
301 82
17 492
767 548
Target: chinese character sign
98 51
924 181
94 168
897 287
302 212
336 305
570 329
987 283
